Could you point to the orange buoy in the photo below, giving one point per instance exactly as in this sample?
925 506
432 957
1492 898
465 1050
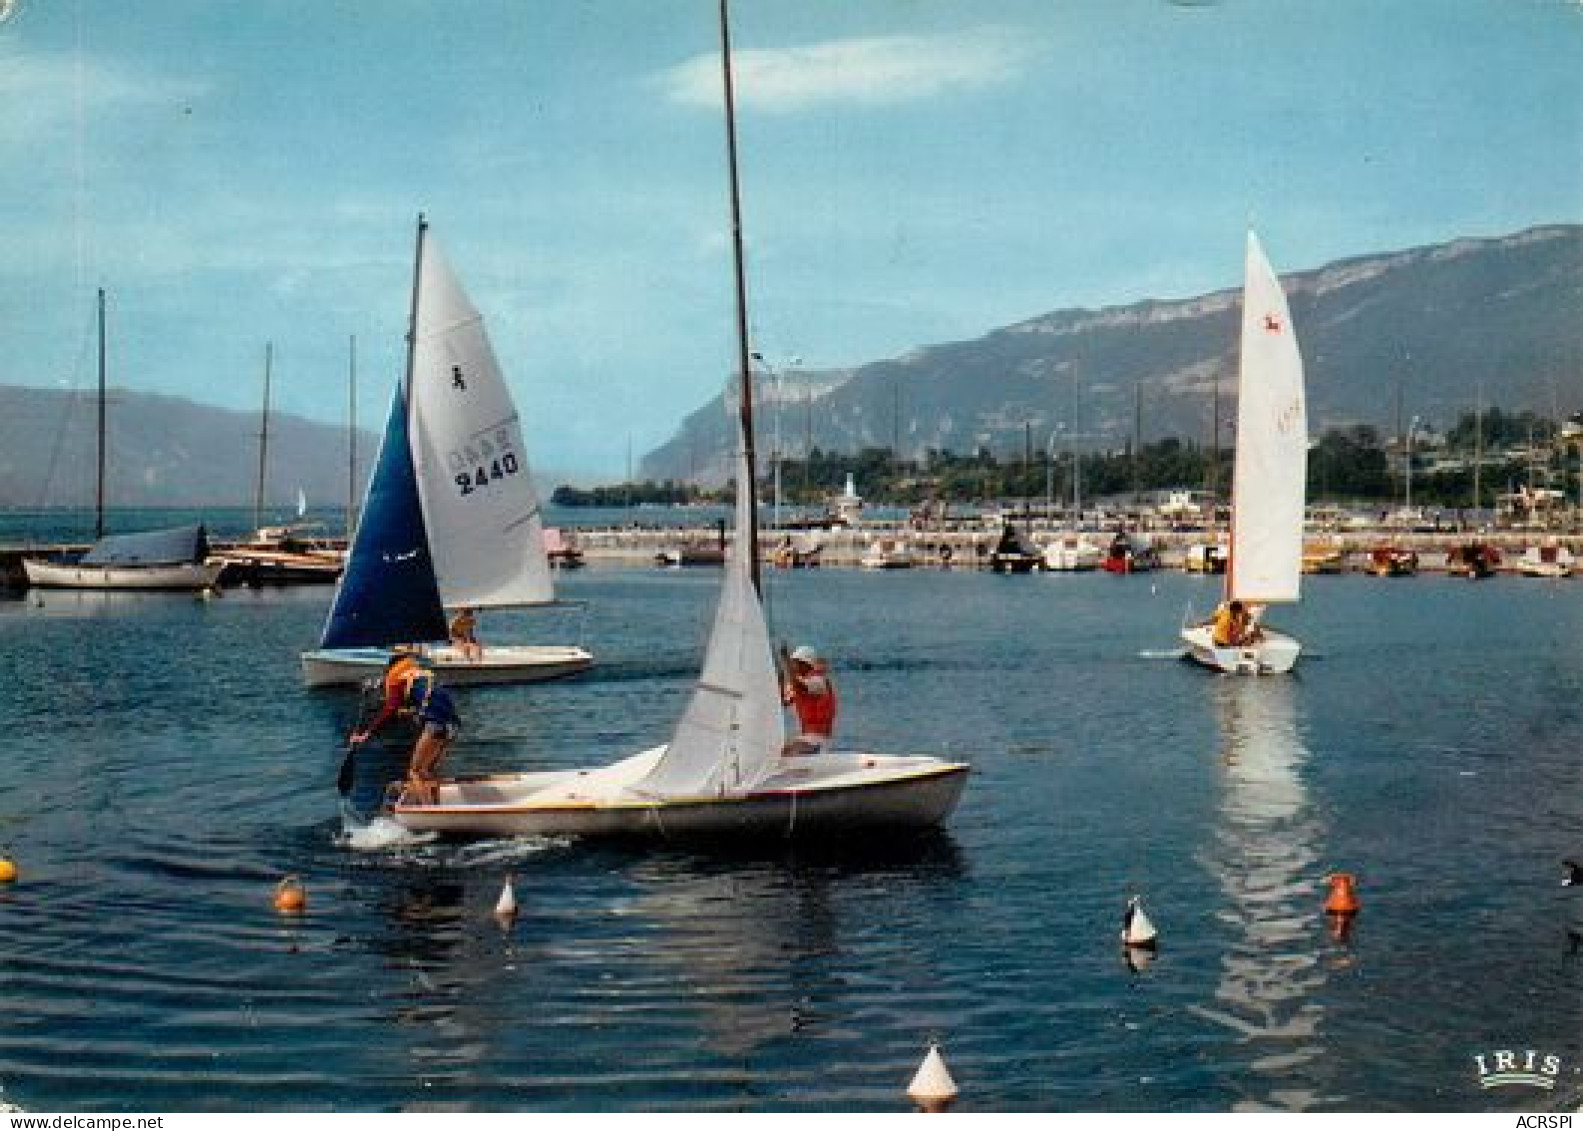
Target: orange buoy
1343 898
290 896
8 872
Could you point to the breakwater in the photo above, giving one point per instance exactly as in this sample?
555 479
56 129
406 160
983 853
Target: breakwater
965 545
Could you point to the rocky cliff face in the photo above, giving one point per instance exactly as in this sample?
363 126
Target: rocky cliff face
1433 329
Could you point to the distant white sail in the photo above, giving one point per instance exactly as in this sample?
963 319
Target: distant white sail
730 736
1270 479
479 504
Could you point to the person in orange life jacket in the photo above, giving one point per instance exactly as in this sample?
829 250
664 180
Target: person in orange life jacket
410 688
1232 626
806 686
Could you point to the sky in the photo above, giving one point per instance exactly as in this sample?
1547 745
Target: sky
913 172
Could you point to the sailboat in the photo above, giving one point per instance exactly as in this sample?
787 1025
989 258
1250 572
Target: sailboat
451 517
174 559
1269 480
280 554
724 772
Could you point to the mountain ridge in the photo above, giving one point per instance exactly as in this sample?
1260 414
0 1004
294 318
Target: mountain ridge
1428 331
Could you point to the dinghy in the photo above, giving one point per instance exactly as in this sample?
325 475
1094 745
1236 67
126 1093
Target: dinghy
451 518
1269 482
725 771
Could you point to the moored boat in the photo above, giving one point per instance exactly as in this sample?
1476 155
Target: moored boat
1549 559
1072 552
1130 553
1476 560
1392 561
173 559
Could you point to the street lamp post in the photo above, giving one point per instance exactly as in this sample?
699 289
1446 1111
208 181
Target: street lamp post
1412 427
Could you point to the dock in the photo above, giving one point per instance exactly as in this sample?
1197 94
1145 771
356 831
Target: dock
962 546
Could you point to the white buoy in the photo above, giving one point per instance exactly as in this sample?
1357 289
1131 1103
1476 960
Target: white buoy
932 1087
506 906
1136 929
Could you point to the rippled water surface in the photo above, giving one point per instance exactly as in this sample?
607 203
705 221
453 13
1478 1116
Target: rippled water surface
165 768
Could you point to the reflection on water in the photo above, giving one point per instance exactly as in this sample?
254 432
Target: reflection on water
1265 859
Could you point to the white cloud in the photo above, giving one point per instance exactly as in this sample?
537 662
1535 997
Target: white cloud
876 71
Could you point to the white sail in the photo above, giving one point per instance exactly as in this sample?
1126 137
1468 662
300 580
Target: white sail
731 735
479 503
1270 478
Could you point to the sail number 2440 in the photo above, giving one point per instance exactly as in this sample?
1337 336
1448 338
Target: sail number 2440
484 460
481 476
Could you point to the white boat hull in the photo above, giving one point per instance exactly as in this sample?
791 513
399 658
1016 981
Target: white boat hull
829 794
1274 653
500 663
43 574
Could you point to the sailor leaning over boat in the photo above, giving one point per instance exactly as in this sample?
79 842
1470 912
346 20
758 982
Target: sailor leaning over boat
411 689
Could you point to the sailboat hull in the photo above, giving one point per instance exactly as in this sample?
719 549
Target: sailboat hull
504 663
176 576
829 795
1274 653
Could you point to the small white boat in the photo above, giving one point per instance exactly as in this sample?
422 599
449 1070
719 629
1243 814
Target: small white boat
451 518
887 553
1269 481
827 794
1549 560
1205 557
1072 552
726 771
176 559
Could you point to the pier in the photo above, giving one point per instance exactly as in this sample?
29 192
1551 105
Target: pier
960 546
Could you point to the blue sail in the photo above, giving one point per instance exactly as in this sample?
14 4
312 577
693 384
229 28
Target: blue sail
388 593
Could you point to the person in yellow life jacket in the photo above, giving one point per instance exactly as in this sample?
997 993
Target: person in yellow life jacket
412 689
1232 626
807 688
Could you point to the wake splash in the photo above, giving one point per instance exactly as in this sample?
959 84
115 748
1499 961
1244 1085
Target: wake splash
382 834
377 834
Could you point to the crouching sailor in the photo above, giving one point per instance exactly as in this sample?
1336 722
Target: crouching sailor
411 689
807 688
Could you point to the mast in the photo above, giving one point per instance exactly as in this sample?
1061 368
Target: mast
98 507
412 316
263 441
351 436
743 351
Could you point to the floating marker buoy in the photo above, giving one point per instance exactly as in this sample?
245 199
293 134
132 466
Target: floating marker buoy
8 872
290 896
1343 898
1136 929
932 1088
506 907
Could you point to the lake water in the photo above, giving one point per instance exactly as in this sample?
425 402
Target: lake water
165 768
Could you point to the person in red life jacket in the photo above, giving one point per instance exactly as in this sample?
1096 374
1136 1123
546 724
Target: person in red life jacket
807 688
413 690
